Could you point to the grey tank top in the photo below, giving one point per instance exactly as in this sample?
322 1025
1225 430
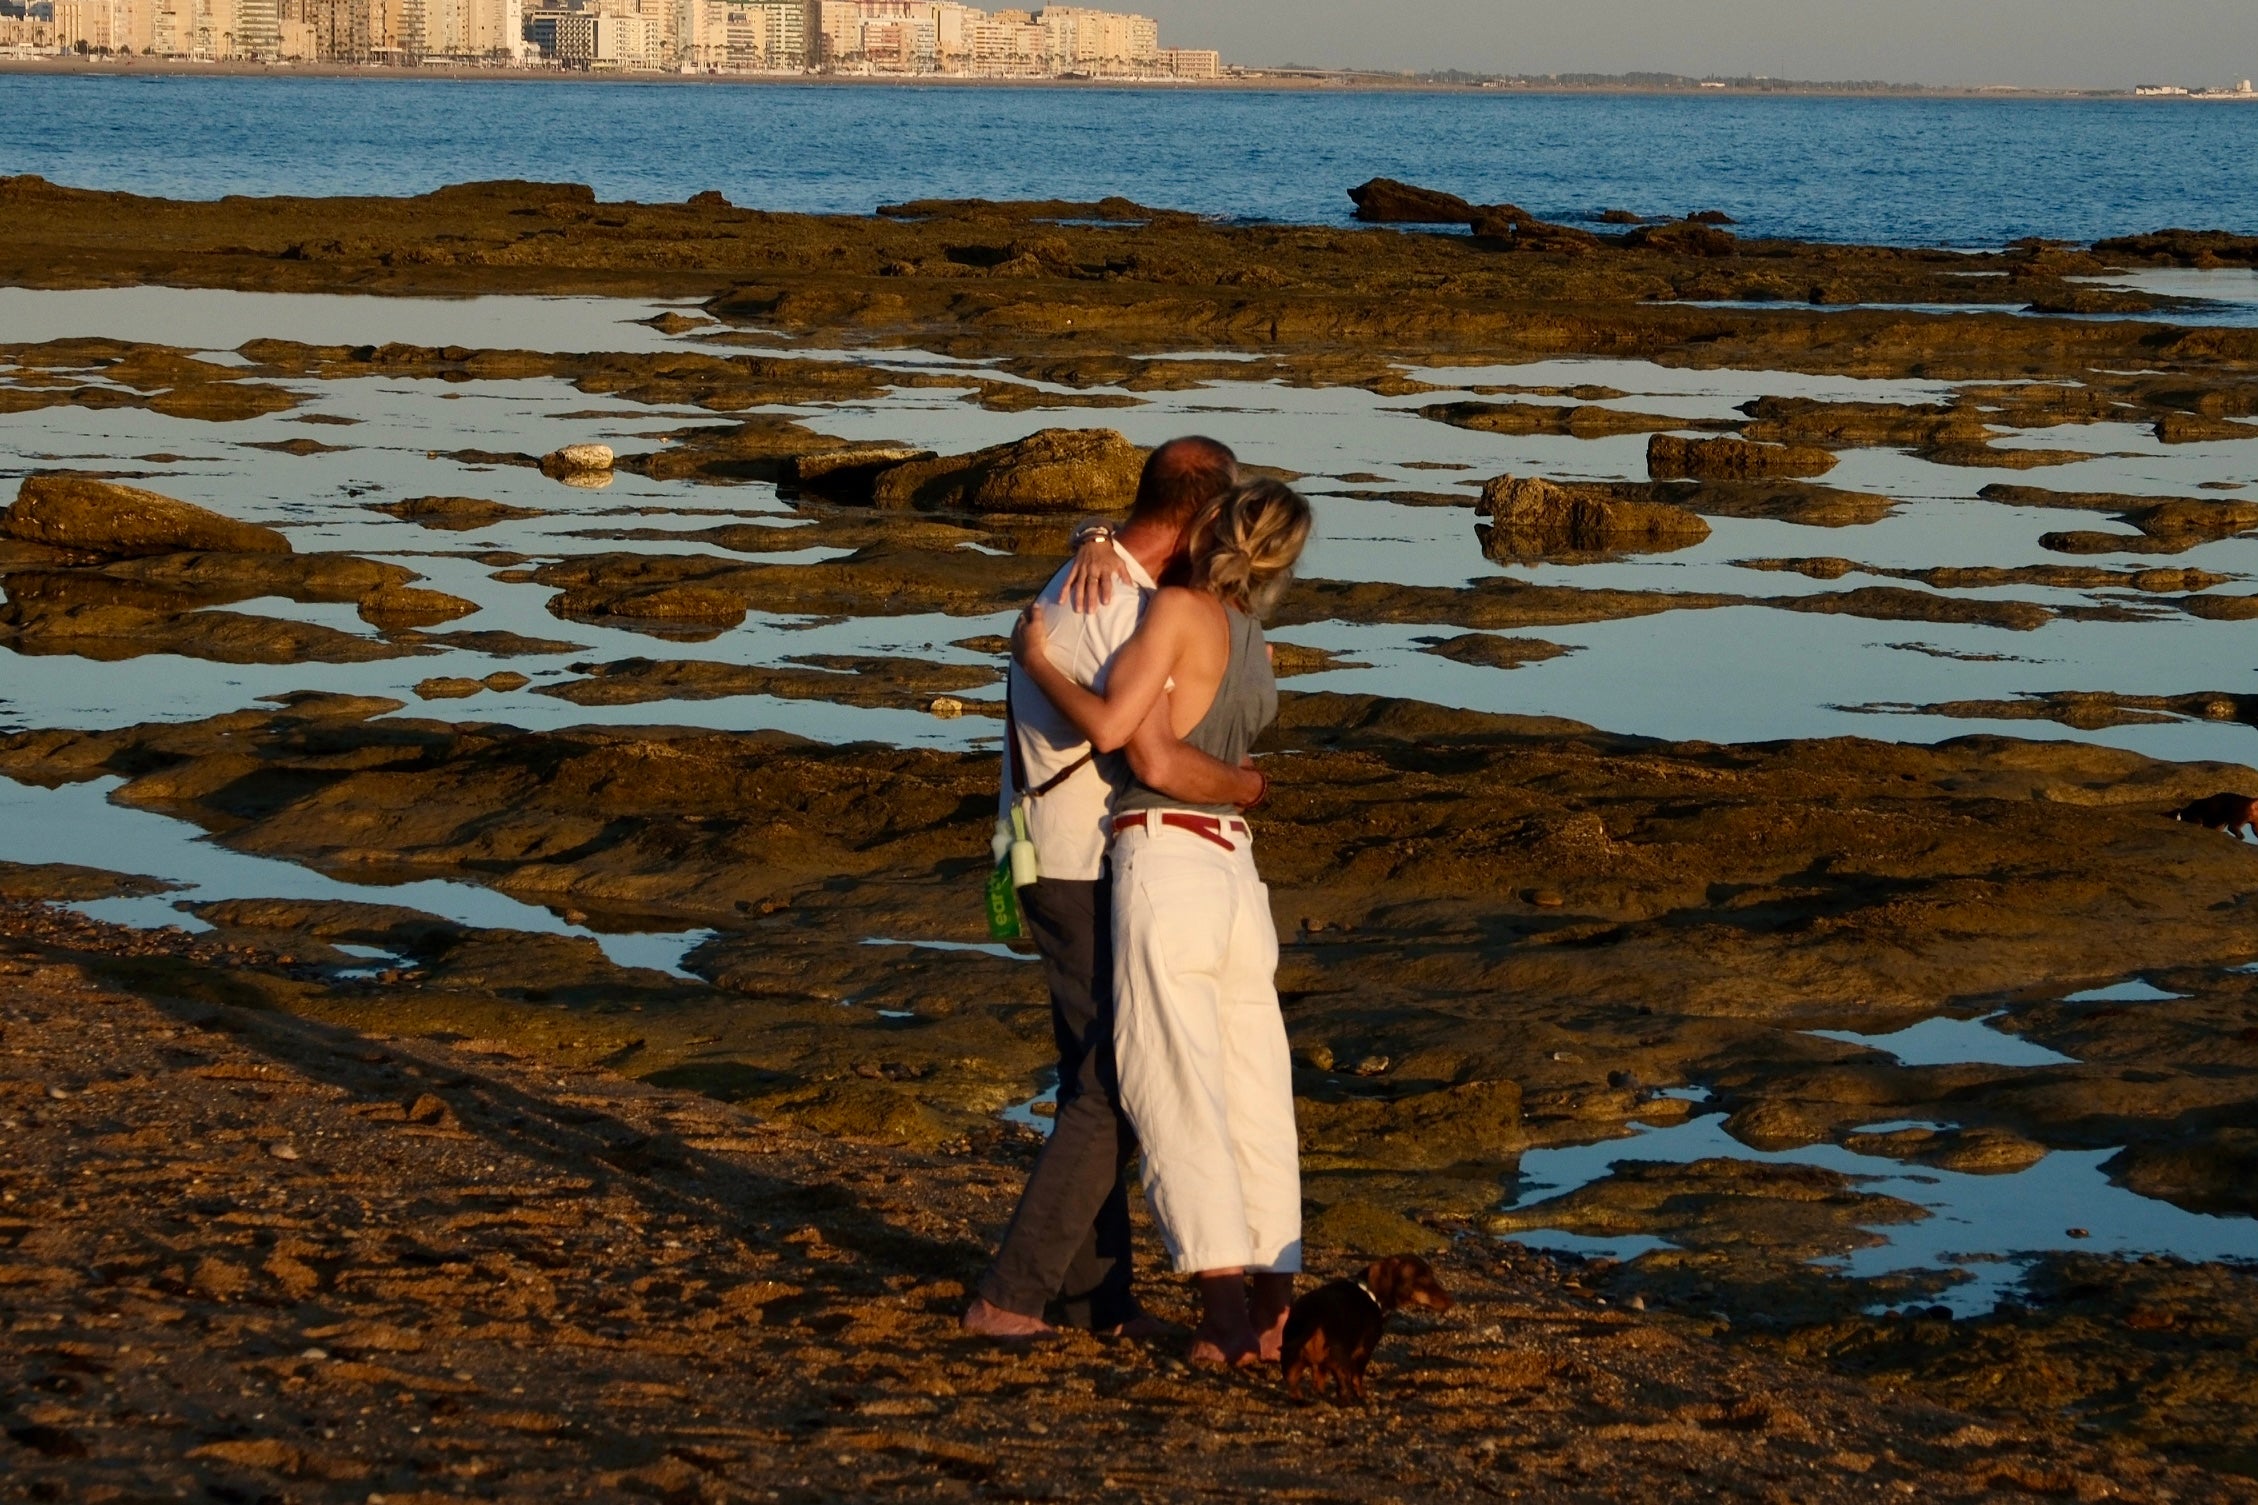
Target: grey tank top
1246 702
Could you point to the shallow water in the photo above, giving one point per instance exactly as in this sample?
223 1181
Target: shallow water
1741 673
1985 1227
78 823
1952 1042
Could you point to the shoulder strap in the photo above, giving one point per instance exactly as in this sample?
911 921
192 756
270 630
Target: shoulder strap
1019 758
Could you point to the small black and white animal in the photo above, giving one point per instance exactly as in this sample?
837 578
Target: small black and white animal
1331 1332
2231 813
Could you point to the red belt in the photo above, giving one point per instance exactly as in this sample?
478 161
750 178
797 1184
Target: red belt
1206 827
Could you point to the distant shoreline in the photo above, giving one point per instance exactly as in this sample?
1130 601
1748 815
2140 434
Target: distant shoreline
1297 81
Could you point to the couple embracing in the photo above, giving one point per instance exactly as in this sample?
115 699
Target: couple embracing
1131 714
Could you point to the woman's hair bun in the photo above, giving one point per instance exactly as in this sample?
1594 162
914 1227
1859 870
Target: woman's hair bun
1245 543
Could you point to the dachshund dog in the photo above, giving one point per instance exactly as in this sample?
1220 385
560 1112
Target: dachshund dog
1331 1332
2221 812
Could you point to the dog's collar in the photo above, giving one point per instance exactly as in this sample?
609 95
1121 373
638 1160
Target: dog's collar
1377 1303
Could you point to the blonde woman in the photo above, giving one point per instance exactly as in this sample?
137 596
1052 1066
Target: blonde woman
1205 1075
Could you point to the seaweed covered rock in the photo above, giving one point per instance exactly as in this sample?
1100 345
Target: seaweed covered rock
1684 237
1384 201
1536 519
1670 458
1054 471
101 517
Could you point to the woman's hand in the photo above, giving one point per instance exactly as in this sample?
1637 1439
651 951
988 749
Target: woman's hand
1090 578
1029 640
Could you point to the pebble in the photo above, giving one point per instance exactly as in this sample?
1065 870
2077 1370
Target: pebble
283 1151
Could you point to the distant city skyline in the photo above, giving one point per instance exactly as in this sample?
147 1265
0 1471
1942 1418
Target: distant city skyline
2092 44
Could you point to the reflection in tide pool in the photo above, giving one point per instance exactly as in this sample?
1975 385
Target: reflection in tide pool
77 823
1953 1042
1984 1226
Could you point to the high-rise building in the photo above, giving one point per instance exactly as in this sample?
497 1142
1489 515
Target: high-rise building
569 36
106 25
1009 43
1107 43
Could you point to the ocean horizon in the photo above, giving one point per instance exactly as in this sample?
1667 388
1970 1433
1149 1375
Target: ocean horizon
1899 170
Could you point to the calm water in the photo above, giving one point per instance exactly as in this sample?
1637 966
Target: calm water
1961 172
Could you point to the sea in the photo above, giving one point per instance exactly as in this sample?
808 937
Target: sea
1963 172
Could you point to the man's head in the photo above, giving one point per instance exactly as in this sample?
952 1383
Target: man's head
1180 478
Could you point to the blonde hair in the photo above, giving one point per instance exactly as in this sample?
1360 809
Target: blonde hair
1245 543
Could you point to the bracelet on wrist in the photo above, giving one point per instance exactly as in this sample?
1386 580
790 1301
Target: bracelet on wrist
1261 794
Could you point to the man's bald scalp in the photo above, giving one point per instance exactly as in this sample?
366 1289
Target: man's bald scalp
1181 477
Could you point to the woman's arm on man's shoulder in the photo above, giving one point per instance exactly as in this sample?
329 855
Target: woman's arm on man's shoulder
1135 681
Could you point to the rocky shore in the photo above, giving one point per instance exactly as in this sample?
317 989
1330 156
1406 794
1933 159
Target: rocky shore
695 1225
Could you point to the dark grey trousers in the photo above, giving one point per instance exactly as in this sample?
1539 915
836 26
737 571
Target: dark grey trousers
1069 1238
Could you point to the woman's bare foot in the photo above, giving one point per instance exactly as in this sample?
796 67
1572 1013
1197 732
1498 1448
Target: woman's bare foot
988 1320
1273 1298
1225 1338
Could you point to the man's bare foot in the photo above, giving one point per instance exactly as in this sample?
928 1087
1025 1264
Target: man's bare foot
1273 1299
988 1320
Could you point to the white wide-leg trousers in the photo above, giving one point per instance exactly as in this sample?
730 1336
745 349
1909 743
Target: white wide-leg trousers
1206 1077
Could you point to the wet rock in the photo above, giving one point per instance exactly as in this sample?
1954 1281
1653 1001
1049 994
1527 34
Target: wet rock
1070 471
1533 519
1292 660
2190 248
2201 428
2221 608
402 606
1796 502
455 514
1505 227
1582 421
2208 1170
1384 201
1492 651
1474 1122
2052 576
1669 457
1893 604
1977 1151
96 616
1686 237
850 475
104 518
576 461
1751 1211
1807 420
848 680
2067 299
1366 1229
2093 710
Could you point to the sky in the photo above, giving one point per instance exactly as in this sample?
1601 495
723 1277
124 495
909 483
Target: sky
2032 43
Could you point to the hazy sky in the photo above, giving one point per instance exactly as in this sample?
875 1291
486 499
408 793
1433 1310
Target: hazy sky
2072 43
